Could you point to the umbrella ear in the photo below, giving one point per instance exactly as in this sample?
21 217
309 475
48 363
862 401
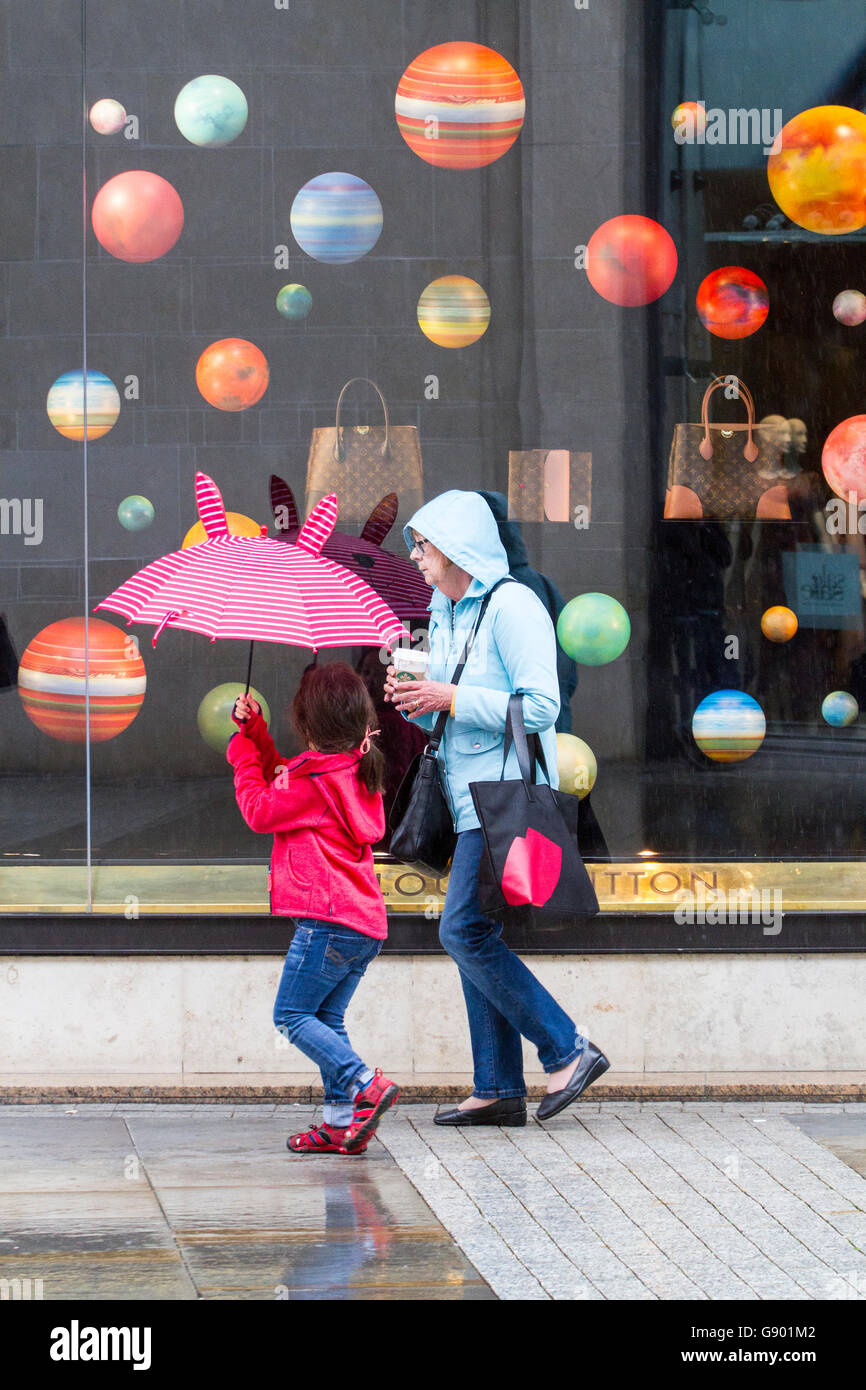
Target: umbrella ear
318 525
211 508
283 505
381 519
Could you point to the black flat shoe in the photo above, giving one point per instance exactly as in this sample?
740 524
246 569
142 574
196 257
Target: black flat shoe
509 1111
591 1064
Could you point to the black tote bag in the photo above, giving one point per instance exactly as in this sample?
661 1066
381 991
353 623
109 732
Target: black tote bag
420 821
531 871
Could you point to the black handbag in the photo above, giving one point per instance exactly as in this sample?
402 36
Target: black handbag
531 871
420 820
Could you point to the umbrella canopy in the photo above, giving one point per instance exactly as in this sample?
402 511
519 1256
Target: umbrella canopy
257 589
392 576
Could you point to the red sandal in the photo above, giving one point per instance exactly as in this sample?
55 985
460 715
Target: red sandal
369 1106
321 1139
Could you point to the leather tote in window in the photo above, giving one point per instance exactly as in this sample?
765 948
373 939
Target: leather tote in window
725 472
421 825
360 463
531 871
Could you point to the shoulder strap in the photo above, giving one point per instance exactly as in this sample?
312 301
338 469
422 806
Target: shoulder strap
439 726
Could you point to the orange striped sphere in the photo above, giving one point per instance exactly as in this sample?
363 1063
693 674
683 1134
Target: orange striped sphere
51 680
460 105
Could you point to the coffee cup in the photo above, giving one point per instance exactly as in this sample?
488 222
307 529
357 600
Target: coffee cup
410 664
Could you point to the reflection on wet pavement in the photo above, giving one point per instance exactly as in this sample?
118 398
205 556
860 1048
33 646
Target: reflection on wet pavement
186 1202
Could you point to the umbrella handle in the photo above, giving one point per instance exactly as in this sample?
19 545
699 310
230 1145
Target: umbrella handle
249 670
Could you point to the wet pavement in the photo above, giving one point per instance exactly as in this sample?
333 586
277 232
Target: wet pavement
608 1201
205 1202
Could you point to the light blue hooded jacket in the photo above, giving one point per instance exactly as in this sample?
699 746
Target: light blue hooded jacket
514 652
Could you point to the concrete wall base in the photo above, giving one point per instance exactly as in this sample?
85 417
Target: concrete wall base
684 1026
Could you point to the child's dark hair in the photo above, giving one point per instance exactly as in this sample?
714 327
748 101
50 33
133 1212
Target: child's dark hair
333 711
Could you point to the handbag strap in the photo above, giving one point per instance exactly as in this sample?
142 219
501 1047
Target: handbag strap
528 748
339 451
750 450
439 727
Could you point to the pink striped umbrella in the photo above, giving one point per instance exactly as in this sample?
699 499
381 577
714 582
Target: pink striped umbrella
257 589
392 576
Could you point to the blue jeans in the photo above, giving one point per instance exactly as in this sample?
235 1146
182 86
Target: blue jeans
503 997
322 970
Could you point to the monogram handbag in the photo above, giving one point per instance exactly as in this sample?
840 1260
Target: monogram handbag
548 484
360 463
531 871
725 472
420 821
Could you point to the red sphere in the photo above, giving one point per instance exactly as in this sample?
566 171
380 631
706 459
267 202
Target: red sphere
631 260
844 459
733 302
137 216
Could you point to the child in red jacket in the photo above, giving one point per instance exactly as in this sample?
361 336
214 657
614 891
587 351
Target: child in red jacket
324 809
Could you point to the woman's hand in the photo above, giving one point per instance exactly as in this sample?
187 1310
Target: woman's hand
419 697
245 708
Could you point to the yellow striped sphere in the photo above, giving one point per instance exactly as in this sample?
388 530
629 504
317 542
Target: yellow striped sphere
454 311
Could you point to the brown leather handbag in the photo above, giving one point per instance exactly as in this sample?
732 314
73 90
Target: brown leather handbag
724 472
362 462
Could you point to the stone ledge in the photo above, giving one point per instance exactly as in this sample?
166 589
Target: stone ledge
819 1091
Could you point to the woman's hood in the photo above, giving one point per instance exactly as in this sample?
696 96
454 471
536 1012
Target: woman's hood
463 527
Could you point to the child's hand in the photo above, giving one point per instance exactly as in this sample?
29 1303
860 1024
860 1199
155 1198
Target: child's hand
245 708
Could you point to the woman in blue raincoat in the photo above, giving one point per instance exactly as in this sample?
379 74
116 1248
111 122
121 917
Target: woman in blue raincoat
455 543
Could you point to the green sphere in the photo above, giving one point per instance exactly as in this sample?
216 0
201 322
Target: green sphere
294 301
135 513
215 723
593 629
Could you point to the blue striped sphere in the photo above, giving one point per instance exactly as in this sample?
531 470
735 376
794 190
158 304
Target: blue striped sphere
336 218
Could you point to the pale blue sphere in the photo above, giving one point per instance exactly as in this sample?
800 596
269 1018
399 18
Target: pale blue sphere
211 111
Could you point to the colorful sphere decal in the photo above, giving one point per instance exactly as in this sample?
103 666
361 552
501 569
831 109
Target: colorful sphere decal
137 216
214 717
65 404
843 458
849 308
692 117
294 301
238 524
733 302
210 111
454 311
631 260
576 764
135 513
779 623
818 177
593 629
107 116
839 709
729 726
232 374
336 218
51 680
460 105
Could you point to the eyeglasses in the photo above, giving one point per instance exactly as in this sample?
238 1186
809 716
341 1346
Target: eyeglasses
420 546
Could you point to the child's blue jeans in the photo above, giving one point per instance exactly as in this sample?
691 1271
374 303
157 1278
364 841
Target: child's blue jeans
322 970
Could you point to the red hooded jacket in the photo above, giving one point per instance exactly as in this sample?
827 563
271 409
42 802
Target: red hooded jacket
323 821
